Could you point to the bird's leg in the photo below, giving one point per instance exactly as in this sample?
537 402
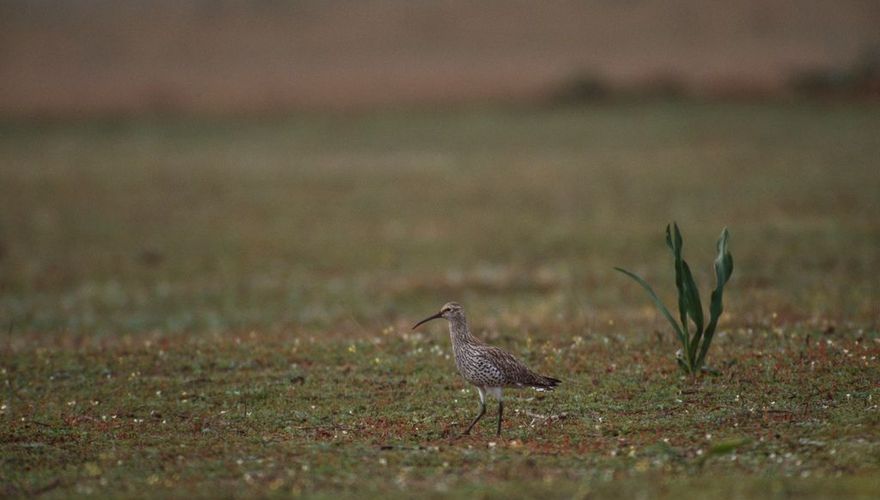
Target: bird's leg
500 412
477 419
479 415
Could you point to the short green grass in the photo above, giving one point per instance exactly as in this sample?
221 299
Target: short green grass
223 308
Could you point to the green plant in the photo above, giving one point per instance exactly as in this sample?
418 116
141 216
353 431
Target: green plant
692 355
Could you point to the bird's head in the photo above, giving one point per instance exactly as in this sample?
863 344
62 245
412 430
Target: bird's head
450 311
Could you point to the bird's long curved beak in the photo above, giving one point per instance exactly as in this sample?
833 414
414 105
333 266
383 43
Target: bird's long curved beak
429 318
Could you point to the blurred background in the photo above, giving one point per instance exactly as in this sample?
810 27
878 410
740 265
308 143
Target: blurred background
336 166
97 57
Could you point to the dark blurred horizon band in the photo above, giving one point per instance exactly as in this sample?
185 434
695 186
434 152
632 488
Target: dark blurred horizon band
209 57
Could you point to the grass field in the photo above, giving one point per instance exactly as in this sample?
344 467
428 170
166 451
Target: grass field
223 308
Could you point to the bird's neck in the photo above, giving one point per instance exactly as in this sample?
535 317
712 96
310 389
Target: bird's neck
460 333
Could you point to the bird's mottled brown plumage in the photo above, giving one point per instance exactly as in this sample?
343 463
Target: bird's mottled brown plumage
488 368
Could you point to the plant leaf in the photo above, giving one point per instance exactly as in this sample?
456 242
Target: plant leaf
674 242
723 271
657 302
694 307
681 364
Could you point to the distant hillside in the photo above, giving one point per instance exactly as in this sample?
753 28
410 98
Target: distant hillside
93 57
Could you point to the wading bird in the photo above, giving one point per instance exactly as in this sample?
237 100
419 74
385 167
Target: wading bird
488 368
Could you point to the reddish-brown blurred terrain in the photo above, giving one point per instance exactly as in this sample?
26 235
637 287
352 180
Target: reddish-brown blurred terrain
96 57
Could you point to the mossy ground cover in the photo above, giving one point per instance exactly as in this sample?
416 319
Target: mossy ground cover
223 308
